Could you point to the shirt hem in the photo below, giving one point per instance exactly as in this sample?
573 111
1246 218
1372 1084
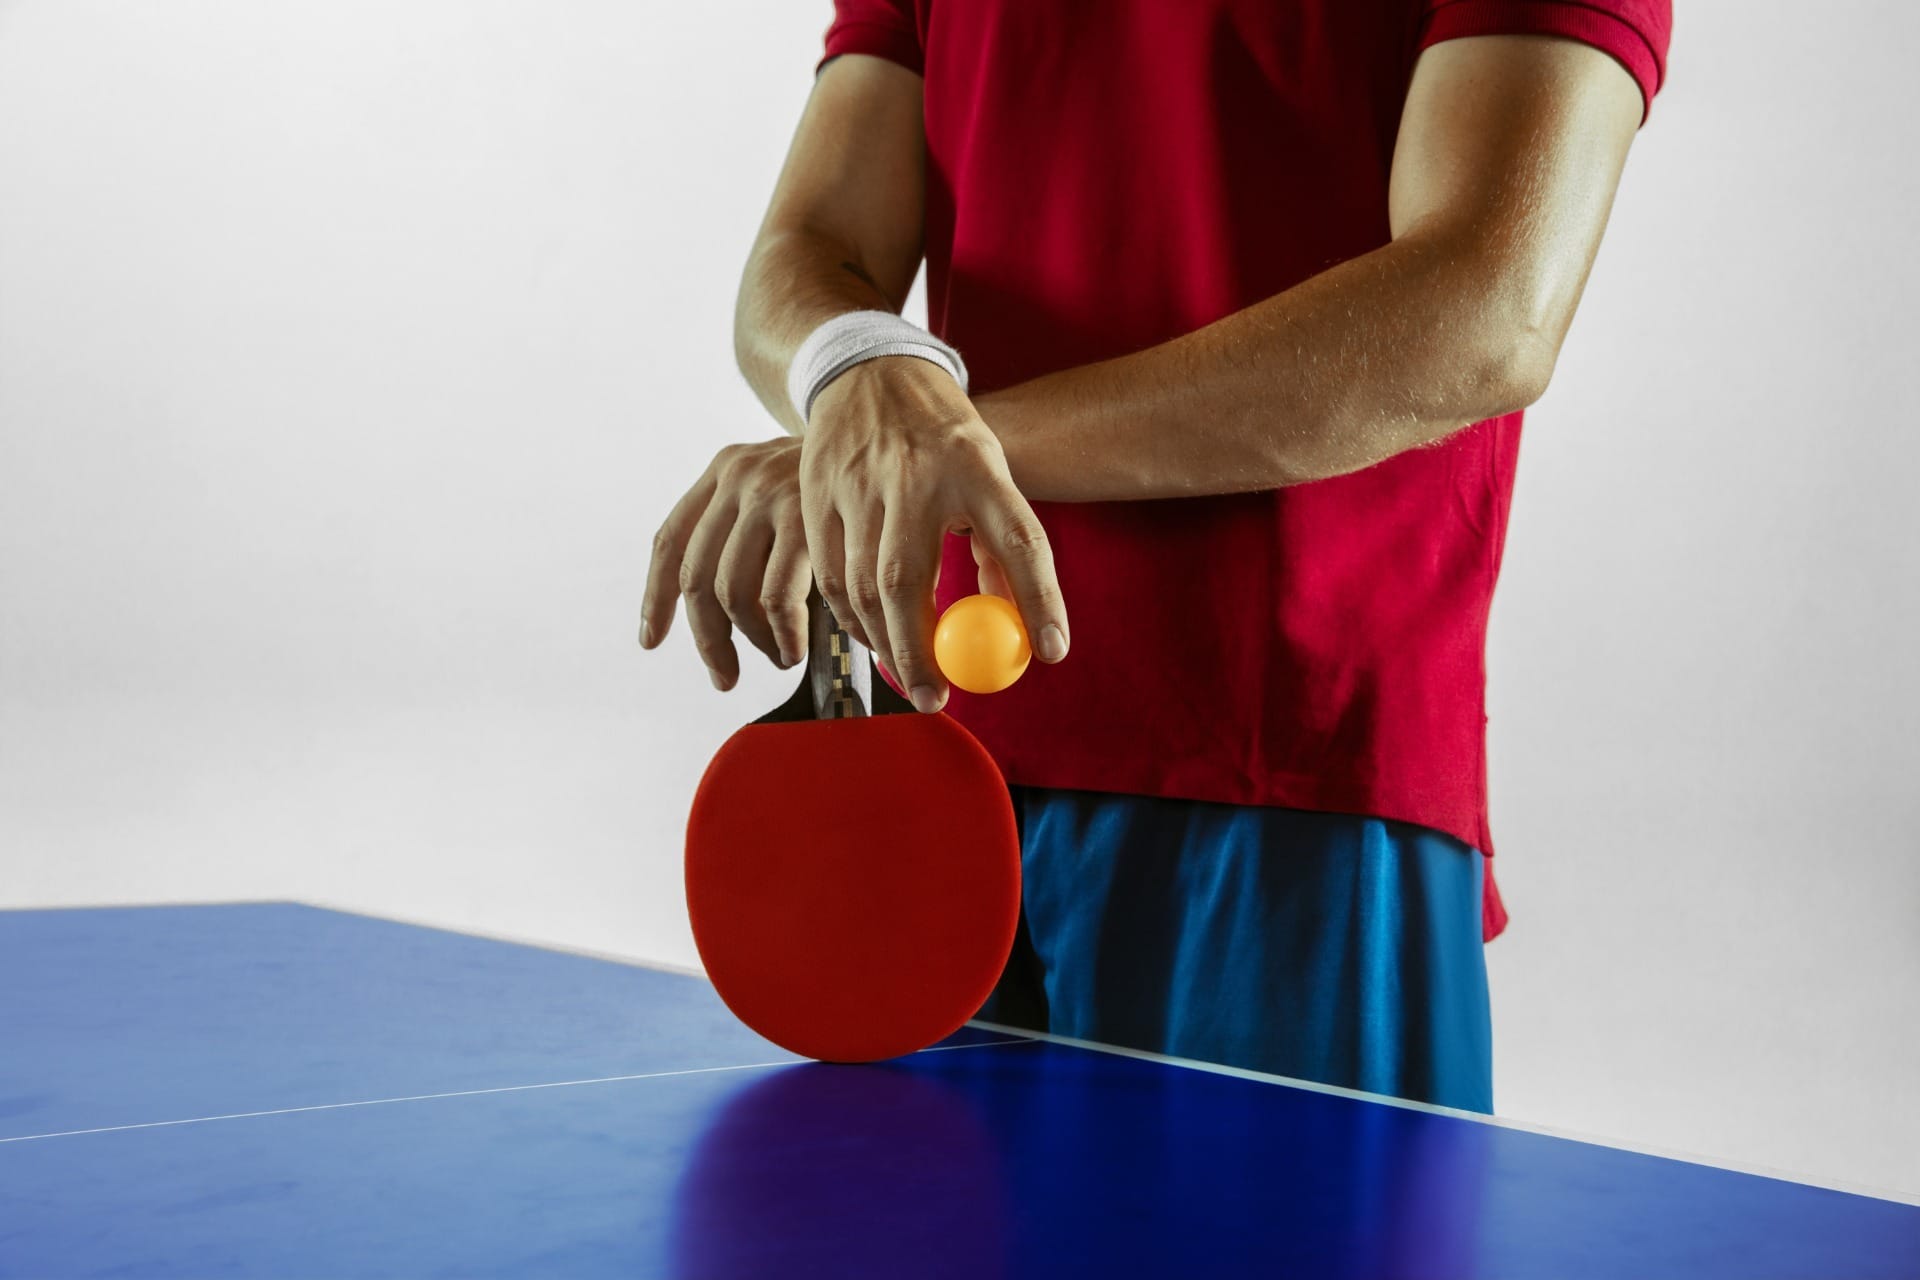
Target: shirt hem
1286 791
877 39
1609 33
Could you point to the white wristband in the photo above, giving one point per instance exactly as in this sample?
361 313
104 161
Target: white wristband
847 340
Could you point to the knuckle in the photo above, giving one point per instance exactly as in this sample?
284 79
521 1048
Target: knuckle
980 453
864 591
755 480
898 575
980 444
1025 538
816 471
693 584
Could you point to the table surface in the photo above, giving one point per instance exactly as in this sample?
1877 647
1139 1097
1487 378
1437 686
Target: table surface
279 1090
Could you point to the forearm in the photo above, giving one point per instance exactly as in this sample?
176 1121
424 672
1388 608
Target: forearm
794 282
1509 152
1392 350
842 231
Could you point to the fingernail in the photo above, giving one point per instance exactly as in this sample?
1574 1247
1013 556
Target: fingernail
1053 643
925 699
786 657
717 682
646 635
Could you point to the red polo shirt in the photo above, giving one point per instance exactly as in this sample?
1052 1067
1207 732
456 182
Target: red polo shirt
1102 177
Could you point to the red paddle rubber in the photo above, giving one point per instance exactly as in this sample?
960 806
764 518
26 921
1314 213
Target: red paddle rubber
853 884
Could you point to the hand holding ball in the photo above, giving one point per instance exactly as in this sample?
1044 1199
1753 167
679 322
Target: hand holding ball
980 644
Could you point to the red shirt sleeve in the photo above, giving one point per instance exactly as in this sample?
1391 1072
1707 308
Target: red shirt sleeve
884 28
1634 32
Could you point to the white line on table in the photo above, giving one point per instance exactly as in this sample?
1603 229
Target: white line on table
468 1093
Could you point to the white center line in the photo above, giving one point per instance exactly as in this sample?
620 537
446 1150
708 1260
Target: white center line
468 1093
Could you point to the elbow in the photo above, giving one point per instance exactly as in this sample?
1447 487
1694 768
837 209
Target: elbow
1509 313
1511 367
1523 370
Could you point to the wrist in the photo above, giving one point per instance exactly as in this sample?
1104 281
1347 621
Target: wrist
892 391
847 341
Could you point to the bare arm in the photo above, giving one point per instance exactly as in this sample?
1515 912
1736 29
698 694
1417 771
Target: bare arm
893 457
843 230
1503 175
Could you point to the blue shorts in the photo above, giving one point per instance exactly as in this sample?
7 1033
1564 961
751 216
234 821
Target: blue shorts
1325 947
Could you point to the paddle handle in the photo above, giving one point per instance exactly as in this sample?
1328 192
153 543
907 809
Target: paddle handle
838 670
838 682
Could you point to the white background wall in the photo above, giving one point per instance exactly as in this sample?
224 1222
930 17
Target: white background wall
351 351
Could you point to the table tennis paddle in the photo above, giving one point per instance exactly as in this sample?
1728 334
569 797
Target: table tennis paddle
853 879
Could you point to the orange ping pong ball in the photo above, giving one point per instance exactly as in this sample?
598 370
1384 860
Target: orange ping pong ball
980 644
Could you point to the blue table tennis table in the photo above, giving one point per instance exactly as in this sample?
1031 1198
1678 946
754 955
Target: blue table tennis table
279 1090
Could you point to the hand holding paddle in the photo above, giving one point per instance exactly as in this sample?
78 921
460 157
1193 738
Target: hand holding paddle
853 879
894 459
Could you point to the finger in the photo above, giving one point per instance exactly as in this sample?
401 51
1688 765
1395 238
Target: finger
1016 540
737 581
663 567
909 562
991 578
863 528
827 555
712 631
783 592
